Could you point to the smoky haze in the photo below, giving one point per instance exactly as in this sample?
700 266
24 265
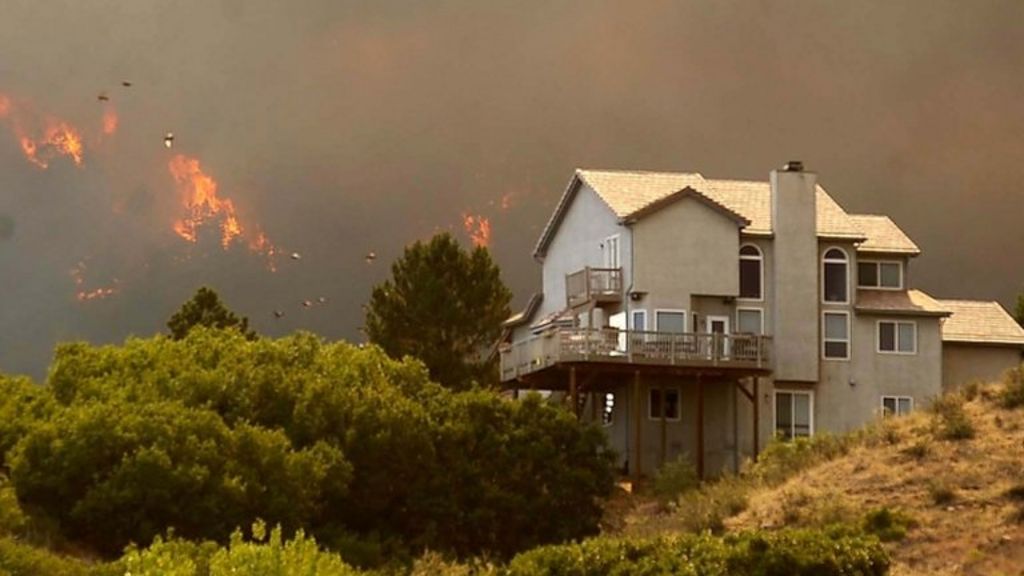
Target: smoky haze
340 128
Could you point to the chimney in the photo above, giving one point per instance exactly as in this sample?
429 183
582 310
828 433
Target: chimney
795 280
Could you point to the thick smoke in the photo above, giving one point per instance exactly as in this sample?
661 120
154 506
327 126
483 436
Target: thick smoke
343 128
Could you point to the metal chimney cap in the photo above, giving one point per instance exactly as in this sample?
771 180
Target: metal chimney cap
793 166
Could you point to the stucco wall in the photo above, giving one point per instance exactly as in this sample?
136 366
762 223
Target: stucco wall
850 392
964 363
684 249
795 276
577 243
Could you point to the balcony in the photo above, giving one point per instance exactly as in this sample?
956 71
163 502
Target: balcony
743 352
593 285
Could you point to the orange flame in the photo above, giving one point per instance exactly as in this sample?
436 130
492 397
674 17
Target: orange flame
110 121
199 195
479 229
58 137
261 245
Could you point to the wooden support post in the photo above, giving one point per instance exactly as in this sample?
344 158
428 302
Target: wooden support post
757 418
574 393
664 430
637 429
700 427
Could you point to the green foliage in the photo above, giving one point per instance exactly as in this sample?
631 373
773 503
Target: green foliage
209 432
20 559
833 552
1012 395
951 421
674 479
265 554
887 524
21 403
445 306
113 473
206 309
783 459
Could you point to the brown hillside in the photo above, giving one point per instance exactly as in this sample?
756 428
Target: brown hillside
966 496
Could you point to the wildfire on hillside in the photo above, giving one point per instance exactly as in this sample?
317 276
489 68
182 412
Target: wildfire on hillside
202 203
42 138
82 294
478 228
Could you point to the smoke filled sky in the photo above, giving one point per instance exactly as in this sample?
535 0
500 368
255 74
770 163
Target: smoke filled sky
337 128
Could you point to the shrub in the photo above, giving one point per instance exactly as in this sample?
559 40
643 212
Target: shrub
941 493
674 479
887 524
1012 395
706 508
783 459
950 419
919 450
20 559
832 552
1016 492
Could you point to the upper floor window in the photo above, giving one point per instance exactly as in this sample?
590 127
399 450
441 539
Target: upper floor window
835 274
880 275
670 321
751 273
836 344
897 337
749 321
611 252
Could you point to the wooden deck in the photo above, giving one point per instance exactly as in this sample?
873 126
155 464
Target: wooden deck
558 346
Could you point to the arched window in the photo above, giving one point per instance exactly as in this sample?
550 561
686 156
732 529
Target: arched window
751 277
835 275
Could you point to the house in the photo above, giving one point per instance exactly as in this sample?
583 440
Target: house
702 317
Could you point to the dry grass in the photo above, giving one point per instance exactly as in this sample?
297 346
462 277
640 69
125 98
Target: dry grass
961 493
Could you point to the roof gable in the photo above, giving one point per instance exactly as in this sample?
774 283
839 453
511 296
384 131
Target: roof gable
632 194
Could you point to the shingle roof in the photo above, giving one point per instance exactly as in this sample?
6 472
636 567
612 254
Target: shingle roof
914 302
524 315
883 235
629 193
980 322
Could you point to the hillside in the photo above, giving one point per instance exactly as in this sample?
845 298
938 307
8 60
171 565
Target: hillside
953 478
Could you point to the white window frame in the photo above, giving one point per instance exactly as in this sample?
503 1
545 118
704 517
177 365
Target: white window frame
896 337
878 274
760 312
760 259
657 323
824 338
632 319
662 389
846 263
775 409
617 238
897 399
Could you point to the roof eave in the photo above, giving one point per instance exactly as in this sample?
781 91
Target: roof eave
903 312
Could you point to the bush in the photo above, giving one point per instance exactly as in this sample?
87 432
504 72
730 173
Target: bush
941 493
1012 395
674 479
206 433
706 508
20 559
832 552
888 525
266 554
950 419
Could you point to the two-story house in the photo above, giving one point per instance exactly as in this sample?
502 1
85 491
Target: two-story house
703 317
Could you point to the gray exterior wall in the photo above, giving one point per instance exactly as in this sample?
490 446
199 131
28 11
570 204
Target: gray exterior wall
687 248
850 392
795 276
586 224
963 363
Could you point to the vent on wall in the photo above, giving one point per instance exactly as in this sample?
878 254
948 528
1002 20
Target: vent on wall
793 166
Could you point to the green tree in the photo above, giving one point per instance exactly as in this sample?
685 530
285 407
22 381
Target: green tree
443 305
206 309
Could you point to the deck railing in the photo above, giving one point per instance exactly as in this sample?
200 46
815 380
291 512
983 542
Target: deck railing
637 347
598 284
